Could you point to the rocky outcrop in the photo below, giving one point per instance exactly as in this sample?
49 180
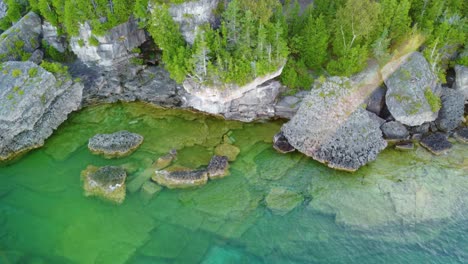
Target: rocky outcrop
3 9
51 37
331 126
409 81
115 145
192 14
33 103
108 50
436 143
287 106
281 201
451 113
394 130
177 177
128 83
255 100
21 39
218 167
106 182
461 80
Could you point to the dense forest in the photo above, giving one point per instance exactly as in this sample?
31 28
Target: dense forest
254 38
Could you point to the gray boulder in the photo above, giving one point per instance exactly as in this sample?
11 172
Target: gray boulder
376 101
409 81
192 14
118 144
52 38
394 130
436 143
281 144
112 48
20 39
287 106
37 56
461 80
461 135
33 103
331 126
451 113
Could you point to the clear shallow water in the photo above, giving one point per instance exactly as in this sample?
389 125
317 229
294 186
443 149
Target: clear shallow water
403 208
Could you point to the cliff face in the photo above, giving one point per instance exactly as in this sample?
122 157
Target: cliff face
191 15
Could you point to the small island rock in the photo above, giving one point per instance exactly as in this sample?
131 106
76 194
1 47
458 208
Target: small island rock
106 182
118 144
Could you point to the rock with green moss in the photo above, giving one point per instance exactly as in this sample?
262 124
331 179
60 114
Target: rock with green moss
106 182
281 200
33 103
180 177
20 40
115 145
411 89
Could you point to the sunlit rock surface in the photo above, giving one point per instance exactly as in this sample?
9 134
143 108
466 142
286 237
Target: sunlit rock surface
33 103
407 80
21 39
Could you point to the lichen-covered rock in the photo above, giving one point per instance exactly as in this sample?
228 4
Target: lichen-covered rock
33 103
436 143
21 39
394 130
112 48
228 150
281 201
118 144
218 167
331 126
461 80
52 38
281 144
178 177
255 100
409 79
190 15
451 113
461 135
106 182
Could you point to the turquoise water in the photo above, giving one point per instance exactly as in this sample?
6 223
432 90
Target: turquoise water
406 207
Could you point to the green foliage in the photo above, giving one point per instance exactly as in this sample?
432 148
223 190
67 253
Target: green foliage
55 68
433 100
16 73
93 41
14 13
295 75
32 72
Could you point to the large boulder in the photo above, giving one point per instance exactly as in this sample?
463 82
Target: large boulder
190 15
451 113
106 182
411 84
112 48
118 144
33 103
332 127
394 130
21 39
255 100
461 80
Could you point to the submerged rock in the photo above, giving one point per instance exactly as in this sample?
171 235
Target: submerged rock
218 167
21 39
281 201
451 113
461 81
281 144
118 144
106 182
408 145
409 80
149 190
228 150
331 126
33 103
178 177
166 160
394 130
112 48
461 135
436 143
